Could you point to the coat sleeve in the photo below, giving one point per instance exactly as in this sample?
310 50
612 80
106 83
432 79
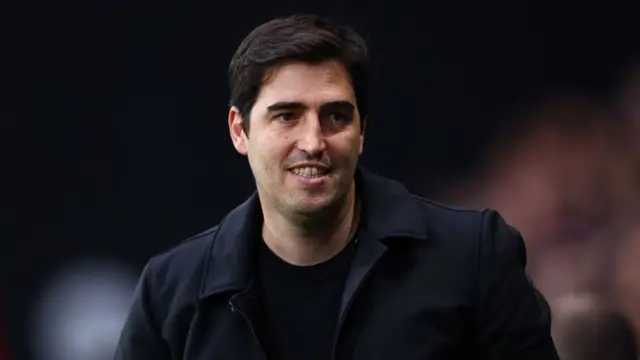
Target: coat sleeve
141 337
514 319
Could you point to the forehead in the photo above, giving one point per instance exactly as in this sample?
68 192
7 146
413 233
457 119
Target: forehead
311 84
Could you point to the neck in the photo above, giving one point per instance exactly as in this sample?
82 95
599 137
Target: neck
309 240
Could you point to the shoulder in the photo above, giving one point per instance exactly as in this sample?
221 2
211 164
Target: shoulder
486 257
457 224
474 233
178 270
187 250
456 220
447 217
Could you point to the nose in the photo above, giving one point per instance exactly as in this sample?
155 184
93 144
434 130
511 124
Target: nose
311 138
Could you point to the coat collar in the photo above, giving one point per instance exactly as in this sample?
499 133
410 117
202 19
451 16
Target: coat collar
388 210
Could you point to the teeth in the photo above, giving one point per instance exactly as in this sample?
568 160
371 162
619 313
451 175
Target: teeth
308 171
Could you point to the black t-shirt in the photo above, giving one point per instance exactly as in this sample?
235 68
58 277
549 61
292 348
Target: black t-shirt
300 305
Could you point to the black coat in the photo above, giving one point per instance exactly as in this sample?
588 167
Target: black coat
427 282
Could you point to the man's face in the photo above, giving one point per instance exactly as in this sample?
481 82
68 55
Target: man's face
304 137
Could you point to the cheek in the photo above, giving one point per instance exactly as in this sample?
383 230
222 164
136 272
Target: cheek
348 145
267 156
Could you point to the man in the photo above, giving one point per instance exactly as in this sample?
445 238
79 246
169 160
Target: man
327 260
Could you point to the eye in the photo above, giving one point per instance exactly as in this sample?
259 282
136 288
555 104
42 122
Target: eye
339 117
285 116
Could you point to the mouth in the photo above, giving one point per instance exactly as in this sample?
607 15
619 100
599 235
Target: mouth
310 171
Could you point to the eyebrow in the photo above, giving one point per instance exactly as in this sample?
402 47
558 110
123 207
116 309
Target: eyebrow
295 105
286 105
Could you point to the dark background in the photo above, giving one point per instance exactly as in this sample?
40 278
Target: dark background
113 116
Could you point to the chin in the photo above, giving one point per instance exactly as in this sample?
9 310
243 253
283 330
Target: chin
312 204
310 200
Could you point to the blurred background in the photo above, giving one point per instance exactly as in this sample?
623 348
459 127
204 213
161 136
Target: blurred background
115 147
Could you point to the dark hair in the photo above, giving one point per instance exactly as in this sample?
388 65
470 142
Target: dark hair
307 38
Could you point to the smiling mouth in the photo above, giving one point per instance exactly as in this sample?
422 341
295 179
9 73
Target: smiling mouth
310 171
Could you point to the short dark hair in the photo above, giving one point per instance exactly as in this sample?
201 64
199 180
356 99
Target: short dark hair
308 38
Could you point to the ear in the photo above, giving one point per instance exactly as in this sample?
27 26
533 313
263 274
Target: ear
236 130
364 127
